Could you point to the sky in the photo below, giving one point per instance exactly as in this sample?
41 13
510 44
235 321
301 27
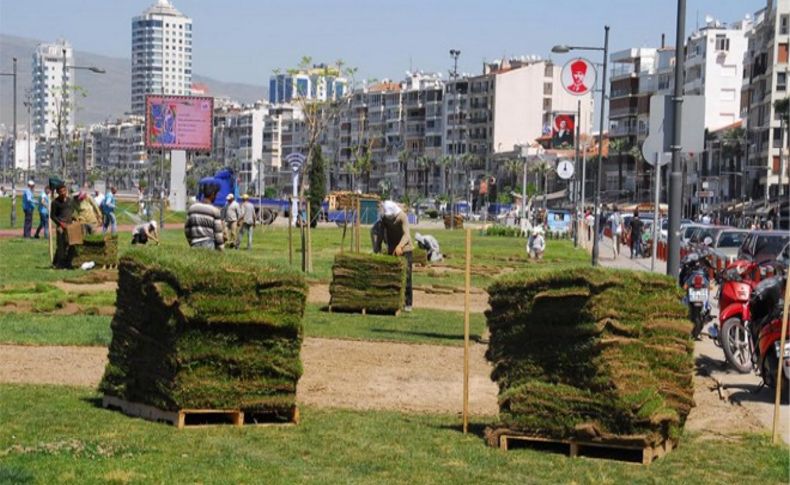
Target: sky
244 40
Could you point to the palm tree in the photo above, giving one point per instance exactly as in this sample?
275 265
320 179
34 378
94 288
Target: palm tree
635 152
513 168
403 158
424 164
619 146
445 163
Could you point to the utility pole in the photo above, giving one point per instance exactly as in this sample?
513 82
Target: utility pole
675 187
13 160
455 53
576 190
596 246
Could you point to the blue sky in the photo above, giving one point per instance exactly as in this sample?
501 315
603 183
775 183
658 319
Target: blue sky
243 40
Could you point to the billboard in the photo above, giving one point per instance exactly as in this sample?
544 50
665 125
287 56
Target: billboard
178 122
562 130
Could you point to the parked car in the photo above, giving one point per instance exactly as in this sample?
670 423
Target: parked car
763 245
686 230
728 241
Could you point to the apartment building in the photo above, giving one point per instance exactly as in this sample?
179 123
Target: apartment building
120 146
53 89
765 80
321 82
161 53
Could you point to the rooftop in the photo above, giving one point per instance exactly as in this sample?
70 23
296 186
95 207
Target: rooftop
163 7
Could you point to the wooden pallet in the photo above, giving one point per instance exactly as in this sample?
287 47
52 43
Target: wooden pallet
597 449
205 417
363 311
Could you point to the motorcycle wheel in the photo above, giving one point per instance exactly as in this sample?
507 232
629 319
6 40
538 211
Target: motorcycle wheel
735 343
770 371
695 315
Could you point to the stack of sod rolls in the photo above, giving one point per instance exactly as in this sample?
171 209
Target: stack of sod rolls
591 353
101 249
371 282
205 330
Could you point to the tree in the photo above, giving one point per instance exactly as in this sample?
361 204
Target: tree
317 190
424 164
619 146
636 152
445 163
404 157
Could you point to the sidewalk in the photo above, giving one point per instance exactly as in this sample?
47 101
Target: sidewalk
624 261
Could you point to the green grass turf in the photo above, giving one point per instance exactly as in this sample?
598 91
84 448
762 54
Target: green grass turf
42 329
60 435
421 326
27 261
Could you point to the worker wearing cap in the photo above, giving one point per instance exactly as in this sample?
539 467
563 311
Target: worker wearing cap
247 221
86 212
28 205
61 213
232 217
394 230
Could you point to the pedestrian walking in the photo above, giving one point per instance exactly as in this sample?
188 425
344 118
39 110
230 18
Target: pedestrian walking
232 216
28 204
108 212
636 235
61 213
43 213
248 221
601 223
616 226
394 230
204 227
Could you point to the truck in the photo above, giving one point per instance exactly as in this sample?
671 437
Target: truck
266 210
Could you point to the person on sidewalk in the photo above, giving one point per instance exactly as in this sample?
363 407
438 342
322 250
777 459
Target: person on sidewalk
616 226
204 228
28 204
395 232
248 221
636 235
108 212
232 216
43 213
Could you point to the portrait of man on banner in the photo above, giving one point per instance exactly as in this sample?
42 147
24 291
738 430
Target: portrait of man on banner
562 131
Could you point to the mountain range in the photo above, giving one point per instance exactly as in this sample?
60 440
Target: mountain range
107 96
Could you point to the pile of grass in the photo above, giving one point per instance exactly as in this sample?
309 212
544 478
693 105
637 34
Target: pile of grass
591 353
459 221
372 282
101 249
203 329
38 298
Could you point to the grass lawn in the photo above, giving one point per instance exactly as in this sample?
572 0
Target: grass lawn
27 261
82 443
421 326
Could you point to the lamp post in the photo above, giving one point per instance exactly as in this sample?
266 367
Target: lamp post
563 49
13 160
454 53
63 94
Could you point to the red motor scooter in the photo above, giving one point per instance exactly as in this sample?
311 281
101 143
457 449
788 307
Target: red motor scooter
736 283
766 305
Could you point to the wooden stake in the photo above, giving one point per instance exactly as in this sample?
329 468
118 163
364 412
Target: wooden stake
290 235
468 279
309 247
780 366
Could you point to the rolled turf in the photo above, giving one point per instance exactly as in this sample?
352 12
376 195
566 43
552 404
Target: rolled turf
372 282
101 249
205 330
591 353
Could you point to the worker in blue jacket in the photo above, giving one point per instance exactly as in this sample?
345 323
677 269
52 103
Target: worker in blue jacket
28 204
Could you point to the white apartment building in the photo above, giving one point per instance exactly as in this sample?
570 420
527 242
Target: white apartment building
321 82
283 133
242 143
119 146
766 81
53 89
161 53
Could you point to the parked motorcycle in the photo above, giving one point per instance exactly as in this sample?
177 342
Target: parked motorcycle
736 284
765 306
695 270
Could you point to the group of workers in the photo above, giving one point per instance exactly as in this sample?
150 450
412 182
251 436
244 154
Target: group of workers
209 227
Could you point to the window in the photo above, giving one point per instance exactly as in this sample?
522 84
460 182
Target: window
784 24
781 81
722 42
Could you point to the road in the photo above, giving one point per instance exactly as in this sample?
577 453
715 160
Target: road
739 389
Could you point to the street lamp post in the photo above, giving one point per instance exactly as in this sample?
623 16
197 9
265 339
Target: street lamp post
562 49
454 53
13 160
63 112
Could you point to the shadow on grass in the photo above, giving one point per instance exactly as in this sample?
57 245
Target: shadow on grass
477 429
93 401
432 335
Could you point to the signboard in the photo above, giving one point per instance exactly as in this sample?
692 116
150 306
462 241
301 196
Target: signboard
661 125
578 76
705 193
565 169
178 122
562 130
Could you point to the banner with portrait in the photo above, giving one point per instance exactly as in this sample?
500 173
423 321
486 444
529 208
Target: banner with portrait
563 131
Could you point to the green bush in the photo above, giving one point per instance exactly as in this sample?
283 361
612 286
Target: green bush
432 213
503 231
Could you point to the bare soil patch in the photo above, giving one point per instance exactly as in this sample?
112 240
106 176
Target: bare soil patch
87 288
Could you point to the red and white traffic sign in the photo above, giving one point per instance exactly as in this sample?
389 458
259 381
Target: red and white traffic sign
578 76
